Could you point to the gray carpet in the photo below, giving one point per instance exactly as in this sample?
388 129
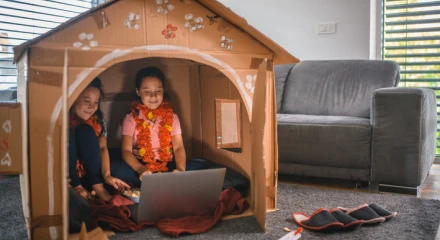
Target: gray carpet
12 225
416 219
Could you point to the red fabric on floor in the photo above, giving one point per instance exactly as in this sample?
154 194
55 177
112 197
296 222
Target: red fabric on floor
231 202
115 215
119 200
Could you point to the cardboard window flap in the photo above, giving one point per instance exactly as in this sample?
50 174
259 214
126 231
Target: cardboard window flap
228 123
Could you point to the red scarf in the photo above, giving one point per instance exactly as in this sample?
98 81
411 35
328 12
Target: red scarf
164 113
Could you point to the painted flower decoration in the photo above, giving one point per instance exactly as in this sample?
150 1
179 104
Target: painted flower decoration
193 23
250 82
164 6
4 145
131 21
6 160
169 31
85 37
7 126
226 42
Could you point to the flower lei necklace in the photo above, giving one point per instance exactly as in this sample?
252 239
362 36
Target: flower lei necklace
93 122
165 113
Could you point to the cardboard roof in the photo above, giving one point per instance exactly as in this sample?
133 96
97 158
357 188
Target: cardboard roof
281 56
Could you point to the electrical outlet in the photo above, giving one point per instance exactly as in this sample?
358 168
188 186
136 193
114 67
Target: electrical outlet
325 28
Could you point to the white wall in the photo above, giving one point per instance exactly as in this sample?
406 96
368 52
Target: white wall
292 24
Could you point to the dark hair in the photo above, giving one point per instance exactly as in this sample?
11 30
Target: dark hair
96 83
150 72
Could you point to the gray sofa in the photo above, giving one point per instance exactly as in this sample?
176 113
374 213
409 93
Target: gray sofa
346 119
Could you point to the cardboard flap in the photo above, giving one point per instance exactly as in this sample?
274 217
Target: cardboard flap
228 123
259 149
10 138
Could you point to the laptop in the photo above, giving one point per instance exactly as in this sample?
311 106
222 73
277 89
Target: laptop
178 194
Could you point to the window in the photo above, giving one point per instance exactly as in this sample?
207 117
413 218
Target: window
22 20
97 2
411 37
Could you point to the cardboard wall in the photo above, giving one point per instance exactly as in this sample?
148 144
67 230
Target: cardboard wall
215 84
10 138
150 27
193 89
22 91
45 199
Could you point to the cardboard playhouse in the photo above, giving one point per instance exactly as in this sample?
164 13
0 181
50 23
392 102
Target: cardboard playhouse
219 74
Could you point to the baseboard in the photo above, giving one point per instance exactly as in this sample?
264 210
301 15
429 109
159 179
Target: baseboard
399 189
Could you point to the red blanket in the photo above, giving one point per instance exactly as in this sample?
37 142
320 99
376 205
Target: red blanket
115 215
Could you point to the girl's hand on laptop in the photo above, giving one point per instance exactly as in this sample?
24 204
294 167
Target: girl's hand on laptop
147 172
117 183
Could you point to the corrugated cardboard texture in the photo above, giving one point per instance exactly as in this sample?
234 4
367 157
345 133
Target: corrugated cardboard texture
10 138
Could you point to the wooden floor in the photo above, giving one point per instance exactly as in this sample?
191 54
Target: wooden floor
431 185
430 188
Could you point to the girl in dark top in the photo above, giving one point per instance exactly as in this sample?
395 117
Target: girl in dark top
89 162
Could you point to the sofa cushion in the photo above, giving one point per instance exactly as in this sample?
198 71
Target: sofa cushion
333 141
281 74
335 88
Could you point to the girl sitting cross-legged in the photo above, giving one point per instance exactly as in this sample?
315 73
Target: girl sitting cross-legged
151 134
89 162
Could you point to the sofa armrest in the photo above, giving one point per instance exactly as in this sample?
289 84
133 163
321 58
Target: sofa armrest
404 122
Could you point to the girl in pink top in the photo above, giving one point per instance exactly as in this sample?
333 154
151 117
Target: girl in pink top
151 134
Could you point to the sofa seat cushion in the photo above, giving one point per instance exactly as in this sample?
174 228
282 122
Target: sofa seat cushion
333 141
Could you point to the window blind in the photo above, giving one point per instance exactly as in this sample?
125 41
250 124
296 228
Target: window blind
22 20
411 37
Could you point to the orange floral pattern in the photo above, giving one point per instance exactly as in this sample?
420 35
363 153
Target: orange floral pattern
164 113
97 127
